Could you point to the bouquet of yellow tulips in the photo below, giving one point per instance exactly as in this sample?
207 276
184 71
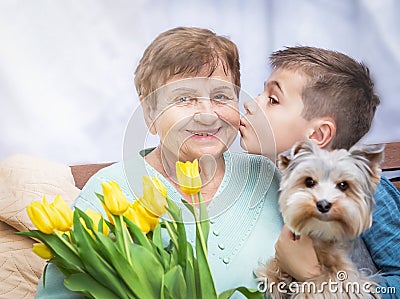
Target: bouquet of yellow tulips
124 256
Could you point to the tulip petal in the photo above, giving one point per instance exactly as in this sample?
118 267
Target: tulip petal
154 195
40 217
188 177
114 200
42 251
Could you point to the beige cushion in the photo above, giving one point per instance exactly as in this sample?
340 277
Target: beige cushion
22 180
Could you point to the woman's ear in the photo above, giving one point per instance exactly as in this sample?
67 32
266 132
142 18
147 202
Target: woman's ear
323 132
148 112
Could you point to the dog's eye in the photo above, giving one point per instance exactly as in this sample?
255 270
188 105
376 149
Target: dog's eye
309 182
342 186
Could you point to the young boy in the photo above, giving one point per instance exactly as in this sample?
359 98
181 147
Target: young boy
329 98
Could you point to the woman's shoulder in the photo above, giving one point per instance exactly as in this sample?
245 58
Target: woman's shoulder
252 158
251 162
256 170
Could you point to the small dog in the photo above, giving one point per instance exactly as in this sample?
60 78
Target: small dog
327 196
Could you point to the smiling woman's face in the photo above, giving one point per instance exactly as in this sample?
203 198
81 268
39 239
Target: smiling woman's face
196 116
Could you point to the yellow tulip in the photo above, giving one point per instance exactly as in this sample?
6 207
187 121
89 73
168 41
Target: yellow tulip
64 216
96 217
154 195
42 250
49 217
138 214
114 200
188 177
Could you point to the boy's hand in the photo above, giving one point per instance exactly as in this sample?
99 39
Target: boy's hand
296 255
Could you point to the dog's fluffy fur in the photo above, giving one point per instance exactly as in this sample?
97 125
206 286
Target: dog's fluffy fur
327 196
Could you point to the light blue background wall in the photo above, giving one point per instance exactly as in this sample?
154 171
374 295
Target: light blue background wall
66 67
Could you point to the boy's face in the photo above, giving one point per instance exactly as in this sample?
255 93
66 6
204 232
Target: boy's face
273 122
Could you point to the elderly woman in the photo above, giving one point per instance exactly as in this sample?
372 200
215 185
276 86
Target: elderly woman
188 81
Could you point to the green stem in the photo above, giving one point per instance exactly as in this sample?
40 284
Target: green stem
198 226
170 232
122 237
69 245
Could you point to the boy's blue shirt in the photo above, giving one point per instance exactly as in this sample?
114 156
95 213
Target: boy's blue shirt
383 238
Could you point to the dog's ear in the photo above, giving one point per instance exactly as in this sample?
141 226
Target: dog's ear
284 160
304 146
371 155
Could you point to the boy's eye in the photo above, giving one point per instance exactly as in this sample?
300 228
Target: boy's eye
273 101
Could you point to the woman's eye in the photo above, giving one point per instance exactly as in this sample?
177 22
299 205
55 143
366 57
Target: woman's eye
184 99
221 98
273 101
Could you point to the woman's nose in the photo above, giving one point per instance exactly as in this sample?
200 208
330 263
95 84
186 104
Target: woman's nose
205 105
205 112
205 118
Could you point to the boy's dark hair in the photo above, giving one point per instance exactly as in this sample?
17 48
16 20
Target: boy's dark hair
337 87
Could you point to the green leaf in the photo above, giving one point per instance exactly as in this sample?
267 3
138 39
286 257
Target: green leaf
179 234
137 234
143 276
175 284
124 271
248 293
189 274
70 261
95 265
148 268
204 221
197 278
163 254
100 196
85 284
206 280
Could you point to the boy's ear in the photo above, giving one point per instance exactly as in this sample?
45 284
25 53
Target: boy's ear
323 132
148 112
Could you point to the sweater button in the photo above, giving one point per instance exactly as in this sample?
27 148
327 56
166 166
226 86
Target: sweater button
221 246
226 260
215 232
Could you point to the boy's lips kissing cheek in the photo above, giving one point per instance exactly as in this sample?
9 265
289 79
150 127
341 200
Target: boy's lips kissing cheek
242 126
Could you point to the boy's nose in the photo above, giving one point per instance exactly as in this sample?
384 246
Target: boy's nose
249 107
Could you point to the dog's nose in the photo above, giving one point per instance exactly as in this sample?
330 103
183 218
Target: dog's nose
323 206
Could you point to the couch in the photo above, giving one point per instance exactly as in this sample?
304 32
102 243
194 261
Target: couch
24 179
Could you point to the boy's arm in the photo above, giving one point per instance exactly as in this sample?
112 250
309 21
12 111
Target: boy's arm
383 238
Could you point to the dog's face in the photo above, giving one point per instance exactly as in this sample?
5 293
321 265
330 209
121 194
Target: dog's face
329 195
